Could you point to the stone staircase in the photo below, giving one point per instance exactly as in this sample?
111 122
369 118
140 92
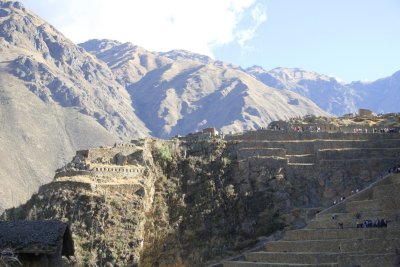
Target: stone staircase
323 243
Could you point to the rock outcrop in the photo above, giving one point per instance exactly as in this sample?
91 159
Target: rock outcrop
144 202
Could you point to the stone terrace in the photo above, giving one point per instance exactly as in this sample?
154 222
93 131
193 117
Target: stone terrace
323 243
338 162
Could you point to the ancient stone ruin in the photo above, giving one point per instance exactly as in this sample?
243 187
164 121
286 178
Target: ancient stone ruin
142 203
341 235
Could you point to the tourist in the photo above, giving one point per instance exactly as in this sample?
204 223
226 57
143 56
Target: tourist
367 223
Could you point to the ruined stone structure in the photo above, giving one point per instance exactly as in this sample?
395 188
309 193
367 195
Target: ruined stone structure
143 203
365 122
333 239
336 162
123 159
364 112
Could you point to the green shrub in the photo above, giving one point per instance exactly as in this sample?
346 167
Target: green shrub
164 153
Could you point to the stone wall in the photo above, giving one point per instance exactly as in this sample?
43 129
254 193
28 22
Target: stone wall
221 193
269 135
317 167
358 153
244 153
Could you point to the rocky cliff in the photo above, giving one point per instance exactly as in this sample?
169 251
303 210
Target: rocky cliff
143 203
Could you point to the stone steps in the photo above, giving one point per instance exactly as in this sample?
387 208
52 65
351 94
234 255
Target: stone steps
363 260
395 178
348 223
376 245
390 190
358 153
301 164
303 158
370 260
385 214
384 203
293 257
323 243
245 153
365 194
265 264
347 233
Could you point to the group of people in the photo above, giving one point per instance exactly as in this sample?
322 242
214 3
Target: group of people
369 223
341 199
376 130
385 130
395 169
359 130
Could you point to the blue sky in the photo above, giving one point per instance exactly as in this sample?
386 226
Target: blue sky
351 40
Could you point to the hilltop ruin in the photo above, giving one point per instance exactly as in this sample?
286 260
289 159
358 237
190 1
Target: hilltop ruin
142 203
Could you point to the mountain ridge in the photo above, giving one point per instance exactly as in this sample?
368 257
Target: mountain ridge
331 94
189 91
55 98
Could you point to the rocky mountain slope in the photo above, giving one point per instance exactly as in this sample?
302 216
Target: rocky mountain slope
128 62
382 95
332 95
54 98
327 92
182 92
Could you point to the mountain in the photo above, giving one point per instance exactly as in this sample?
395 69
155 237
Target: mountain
55 98
332 95
381 96
327 92
127 61
185 92
180 54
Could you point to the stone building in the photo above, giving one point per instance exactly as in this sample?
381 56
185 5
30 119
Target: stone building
211 131
362 112
278 125
37 243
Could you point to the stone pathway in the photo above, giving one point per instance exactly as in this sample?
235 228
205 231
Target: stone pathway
323 243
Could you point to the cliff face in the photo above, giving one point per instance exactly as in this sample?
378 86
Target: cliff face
146 202
197 199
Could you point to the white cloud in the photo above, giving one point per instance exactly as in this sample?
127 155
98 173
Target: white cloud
156 24
258 16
